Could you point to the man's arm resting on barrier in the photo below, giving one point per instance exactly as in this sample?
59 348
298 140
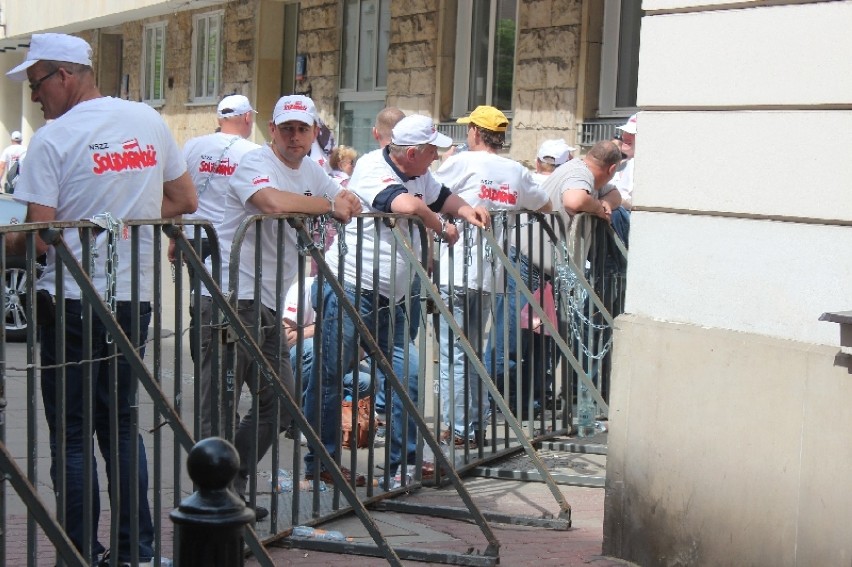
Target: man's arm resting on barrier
580 201
179 197
271 201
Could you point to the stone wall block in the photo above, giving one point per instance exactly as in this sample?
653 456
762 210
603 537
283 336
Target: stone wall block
530 75
566 12
318 17
417 27
409 7
396 58
324 64
399 82
422 81
536 14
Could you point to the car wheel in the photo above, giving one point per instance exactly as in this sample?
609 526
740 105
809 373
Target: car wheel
15 314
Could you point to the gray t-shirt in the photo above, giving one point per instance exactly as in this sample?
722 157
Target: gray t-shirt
574 174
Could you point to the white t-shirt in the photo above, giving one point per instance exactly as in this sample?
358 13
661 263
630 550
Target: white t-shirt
258 169
373 174
10 155
210 161
103 155
291 304
496 183
318 155
623 181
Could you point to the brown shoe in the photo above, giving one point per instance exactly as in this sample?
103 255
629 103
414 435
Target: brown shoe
326 477
458 440
427 471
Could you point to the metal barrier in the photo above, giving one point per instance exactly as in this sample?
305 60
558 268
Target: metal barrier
583 298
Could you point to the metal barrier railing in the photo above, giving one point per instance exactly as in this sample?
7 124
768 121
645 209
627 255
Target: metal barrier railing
583 299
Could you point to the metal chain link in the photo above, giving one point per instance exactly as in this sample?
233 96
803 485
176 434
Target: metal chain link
113 228
468 244
571 297
498 221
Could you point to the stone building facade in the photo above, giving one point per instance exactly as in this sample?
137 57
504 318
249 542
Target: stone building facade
555 68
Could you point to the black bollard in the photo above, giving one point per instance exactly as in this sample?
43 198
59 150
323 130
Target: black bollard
209 523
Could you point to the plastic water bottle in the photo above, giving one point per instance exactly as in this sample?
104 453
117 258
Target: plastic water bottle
585 412
285 483
306 532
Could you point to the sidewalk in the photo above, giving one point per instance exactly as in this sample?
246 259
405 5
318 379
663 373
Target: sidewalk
519 545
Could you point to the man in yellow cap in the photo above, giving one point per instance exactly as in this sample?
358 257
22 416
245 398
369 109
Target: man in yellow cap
483 178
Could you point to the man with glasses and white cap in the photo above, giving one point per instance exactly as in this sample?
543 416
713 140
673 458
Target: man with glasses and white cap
396 180
211 160
277 178
98 154
12 154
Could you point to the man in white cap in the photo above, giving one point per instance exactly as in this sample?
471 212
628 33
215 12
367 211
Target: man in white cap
98 154
481 177
211 160
551 154
277 178
397 180
11 155
623 178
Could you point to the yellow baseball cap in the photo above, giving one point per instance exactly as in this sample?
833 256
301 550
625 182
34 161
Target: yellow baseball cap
487 117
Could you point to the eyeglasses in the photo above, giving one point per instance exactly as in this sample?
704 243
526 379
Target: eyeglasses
36 85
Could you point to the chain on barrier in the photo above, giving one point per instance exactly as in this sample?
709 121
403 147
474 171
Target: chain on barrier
113 228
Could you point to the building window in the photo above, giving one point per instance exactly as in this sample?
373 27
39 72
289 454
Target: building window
364 70
620 57
206 56
153 63
485 55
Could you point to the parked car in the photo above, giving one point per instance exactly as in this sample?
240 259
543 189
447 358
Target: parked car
15 277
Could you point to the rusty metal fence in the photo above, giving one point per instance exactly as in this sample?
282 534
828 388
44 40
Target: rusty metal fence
539 312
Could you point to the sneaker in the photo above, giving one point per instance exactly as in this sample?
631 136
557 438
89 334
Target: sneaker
325 476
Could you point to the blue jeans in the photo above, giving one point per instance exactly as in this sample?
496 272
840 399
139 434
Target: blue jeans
324 379
364 379
75 436
460 404
504 358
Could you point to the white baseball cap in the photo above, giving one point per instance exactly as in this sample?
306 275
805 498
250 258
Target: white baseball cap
53 47
555 151
294 107
16 136
234 105
630 126
418 129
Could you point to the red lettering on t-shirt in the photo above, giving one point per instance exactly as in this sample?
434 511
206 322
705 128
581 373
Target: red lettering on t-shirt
131 156
503 194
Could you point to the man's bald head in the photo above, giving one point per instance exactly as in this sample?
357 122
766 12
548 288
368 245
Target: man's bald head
386 119
604 154
602 160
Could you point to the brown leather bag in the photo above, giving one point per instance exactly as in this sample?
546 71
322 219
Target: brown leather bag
363 420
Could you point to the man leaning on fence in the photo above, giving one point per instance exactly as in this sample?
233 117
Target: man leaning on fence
482 177
273 179
78 168
394 180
